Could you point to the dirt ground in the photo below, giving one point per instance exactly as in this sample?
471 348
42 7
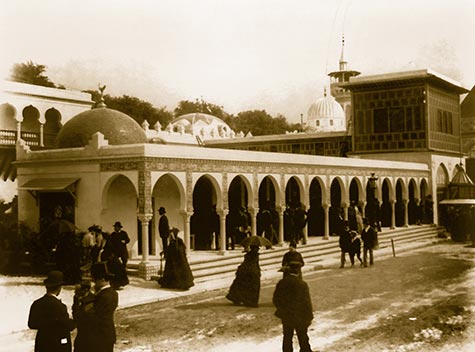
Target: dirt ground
418 301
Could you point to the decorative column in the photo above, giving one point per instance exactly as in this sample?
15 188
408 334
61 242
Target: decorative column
406 212
145 214
253 213
363 211
345 207
222 231
18 130
146 269
187 230
326 210
42 137
392 202
281 225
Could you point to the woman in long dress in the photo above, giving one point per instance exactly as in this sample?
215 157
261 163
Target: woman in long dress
247 283
177 272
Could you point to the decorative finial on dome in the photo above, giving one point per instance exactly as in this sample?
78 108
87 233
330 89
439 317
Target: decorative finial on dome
324 91
101 103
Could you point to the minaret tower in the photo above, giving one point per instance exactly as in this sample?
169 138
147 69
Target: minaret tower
342 96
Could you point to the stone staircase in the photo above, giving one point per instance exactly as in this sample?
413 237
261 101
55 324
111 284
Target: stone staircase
209 266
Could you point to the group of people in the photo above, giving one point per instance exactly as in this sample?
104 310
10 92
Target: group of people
350 242
93 315
291 296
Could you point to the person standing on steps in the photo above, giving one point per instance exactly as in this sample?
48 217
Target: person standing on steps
119 239
163 229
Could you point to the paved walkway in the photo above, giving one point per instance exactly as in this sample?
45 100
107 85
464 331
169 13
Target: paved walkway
17 293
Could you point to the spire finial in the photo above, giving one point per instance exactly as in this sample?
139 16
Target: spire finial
101 103
324 91
342 55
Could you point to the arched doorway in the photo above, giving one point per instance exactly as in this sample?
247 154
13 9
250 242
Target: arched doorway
268 200
292 209
335 215
442 180
168 193
355 220
238 220
413 207
400 208
386 209
316 214
204 200
121 205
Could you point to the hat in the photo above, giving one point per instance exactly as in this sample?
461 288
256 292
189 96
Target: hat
55 278
161 210
118 224
99 271
293 244
174 230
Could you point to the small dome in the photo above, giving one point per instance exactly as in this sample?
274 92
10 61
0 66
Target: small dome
326 115
203 125
117 127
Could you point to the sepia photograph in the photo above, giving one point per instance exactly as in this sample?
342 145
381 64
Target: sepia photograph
228 176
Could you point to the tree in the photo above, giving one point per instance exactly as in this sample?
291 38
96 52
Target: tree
189 107
259 123
31 73
136 108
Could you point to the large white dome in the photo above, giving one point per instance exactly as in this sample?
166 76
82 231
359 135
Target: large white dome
202 125
326 115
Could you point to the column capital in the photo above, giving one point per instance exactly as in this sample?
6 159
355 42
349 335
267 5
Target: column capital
144 217
222 212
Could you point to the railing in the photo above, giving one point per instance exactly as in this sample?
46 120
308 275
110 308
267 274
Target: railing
8 137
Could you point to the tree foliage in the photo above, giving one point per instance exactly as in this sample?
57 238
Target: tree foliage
136 108
259 123
199 105
31 73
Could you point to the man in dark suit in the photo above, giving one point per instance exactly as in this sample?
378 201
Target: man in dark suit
294 308
105 304
369 237
50 317
119 239
163 229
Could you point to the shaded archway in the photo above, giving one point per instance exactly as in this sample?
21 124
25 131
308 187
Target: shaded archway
238 220
442 181
204 199
335 215
355 219
316 214
30 127
400 207
412 205
292 206
267 200
386 208
168 193
120 204
51 127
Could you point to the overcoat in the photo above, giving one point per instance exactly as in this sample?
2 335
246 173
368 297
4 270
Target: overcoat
105 304
292 300
50 317
119 240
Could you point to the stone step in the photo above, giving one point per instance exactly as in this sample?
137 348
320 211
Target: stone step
225 266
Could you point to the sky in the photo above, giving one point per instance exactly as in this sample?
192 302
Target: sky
240 54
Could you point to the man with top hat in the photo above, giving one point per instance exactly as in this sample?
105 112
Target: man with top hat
106 300
119 239
294 307
50 317
163 229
